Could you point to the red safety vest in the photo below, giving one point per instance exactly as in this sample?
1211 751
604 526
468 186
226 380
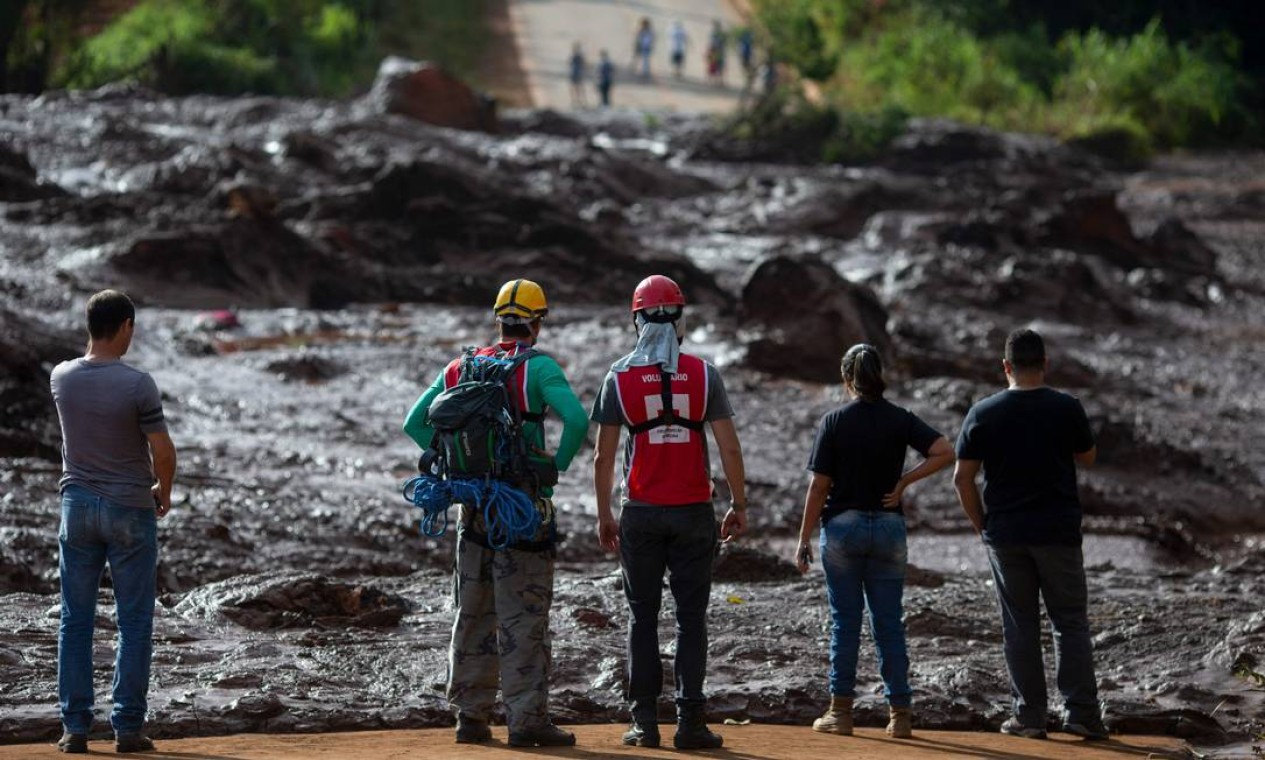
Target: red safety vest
519 384
667 463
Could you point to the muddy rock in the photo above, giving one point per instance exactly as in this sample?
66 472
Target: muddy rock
294 601
29 349
802 314
841 210
739 564
18 179
305 367
426 92
243 262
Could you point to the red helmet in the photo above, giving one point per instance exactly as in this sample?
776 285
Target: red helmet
657 290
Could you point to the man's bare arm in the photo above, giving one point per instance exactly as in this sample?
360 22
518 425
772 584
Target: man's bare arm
968 492
163 452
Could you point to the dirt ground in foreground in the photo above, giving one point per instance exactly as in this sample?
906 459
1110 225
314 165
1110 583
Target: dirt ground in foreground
602 741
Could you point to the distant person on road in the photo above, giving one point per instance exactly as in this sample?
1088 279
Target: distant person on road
665 399
503 593
716 55
680 43
1029 440
118 463
858 480
746 54
605 79
577 67
643 47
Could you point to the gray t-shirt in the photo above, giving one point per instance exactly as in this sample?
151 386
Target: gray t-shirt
607 411
106 408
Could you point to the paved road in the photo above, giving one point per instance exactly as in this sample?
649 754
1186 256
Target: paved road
547 29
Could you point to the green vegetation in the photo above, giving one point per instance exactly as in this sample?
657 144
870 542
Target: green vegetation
287 47
993 62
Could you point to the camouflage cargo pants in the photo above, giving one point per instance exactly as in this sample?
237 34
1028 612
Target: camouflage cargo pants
501 629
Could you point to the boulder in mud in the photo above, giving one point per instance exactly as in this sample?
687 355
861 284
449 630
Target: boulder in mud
263 603
28 351
305 367
740 564
251 263
842 211
801 315
19 181
426 92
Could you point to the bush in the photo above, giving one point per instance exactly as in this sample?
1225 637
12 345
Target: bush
1178 93
285 47
1119 139
969 61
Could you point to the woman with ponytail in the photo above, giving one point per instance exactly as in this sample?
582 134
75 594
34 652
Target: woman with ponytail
855 494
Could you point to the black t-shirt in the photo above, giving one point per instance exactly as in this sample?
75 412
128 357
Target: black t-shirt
861 447
1026 439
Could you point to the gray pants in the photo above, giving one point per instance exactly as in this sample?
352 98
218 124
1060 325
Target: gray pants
1024 575
501 629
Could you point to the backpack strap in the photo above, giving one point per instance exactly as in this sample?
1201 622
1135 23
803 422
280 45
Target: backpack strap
667 415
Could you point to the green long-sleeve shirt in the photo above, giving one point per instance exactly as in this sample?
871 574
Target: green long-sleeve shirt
547 388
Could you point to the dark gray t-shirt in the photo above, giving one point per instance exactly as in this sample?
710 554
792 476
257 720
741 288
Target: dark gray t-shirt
607 411
106 408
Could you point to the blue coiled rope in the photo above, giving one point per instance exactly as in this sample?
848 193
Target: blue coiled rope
509 514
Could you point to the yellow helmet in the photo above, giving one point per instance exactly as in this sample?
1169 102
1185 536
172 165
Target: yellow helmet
520 301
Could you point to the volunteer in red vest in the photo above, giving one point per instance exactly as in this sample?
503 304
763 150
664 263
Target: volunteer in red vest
503 597
665 399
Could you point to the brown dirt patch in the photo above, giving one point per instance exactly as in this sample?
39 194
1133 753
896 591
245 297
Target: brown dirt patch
753 742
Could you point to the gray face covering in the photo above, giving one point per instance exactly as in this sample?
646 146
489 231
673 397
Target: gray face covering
657 343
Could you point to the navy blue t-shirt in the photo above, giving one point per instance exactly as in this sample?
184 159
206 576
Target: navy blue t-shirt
861 447
1026 439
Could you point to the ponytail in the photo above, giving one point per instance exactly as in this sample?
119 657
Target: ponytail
862 371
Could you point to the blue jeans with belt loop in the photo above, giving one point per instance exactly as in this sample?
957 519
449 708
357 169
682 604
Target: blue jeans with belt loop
95 531
863 554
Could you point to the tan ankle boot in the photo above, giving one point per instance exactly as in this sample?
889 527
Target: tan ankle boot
899 725
838 719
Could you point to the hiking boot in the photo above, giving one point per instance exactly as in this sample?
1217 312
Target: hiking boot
74 744
692 731
1013 727
473 731
838 719
125 743
1090 727
547 735
899 723
642 734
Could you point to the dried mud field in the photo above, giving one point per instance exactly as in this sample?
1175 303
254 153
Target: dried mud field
360 251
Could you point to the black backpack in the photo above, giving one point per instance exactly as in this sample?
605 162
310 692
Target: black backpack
478 425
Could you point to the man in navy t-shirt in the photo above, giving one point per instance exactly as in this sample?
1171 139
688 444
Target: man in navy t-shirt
1029 439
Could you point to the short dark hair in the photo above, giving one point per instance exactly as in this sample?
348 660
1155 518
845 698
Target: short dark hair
517 331
863 370
107 311
1025 350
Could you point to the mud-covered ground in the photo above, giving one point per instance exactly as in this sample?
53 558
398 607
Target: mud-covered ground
360 251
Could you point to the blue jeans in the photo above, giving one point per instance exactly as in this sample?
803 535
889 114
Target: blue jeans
94 531
680 541
1024 575
863 554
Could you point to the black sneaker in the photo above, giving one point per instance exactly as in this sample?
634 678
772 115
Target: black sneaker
695 734
642 734
1013 727
547 735
1087 728
125 743
471 731
74 744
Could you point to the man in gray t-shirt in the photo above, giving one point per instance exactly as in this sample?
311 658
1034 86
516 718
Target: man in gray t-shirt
118 463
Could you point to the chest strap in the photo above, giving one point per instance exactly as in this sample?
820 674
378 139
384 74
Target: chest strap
667 415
